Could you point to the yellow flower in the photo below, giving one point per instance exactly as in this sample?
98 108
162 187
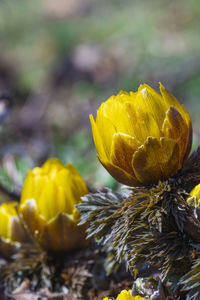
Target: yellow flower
47 206
194 197
12 232
127 295
142 137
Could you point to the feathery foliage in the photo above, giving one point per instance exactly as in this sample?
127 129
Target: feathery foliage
152 228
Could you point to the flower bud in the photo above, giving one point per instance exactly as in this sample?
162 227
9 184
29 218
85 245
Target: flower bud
194 197
47 206
12 233
126 295
142 137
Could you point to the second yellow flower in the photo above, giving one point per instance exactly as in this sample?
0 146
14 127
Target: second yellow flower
47 206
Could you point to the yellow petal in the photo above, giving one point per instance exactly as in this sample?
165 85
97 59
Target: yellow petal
119 174
113 117
62 177
37 171
7 212
123 147
51 167
38 184
28 190
122 96
9 208
151 102
153 94
33 186
62 234
73 171
142 123
78 189
63 186
64 202
106 130
4 221
47 201
98 140
76 215
156 160
175 127
29 213
170 100
189 143
78 185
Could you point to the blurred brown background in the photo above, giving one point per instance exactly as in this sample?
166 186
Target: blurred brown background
61 58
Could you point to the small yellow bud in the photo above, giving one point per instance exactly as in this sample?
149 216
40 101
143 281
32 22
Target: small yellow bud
194 197
127 295
142 137
47 206
12 233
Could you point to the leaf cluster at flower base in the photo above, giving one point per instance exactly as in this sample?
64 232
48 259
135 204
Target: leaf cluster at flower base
153 229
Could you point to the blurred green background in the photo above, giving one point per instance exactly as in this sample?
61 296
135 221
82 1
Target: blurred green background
60 59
